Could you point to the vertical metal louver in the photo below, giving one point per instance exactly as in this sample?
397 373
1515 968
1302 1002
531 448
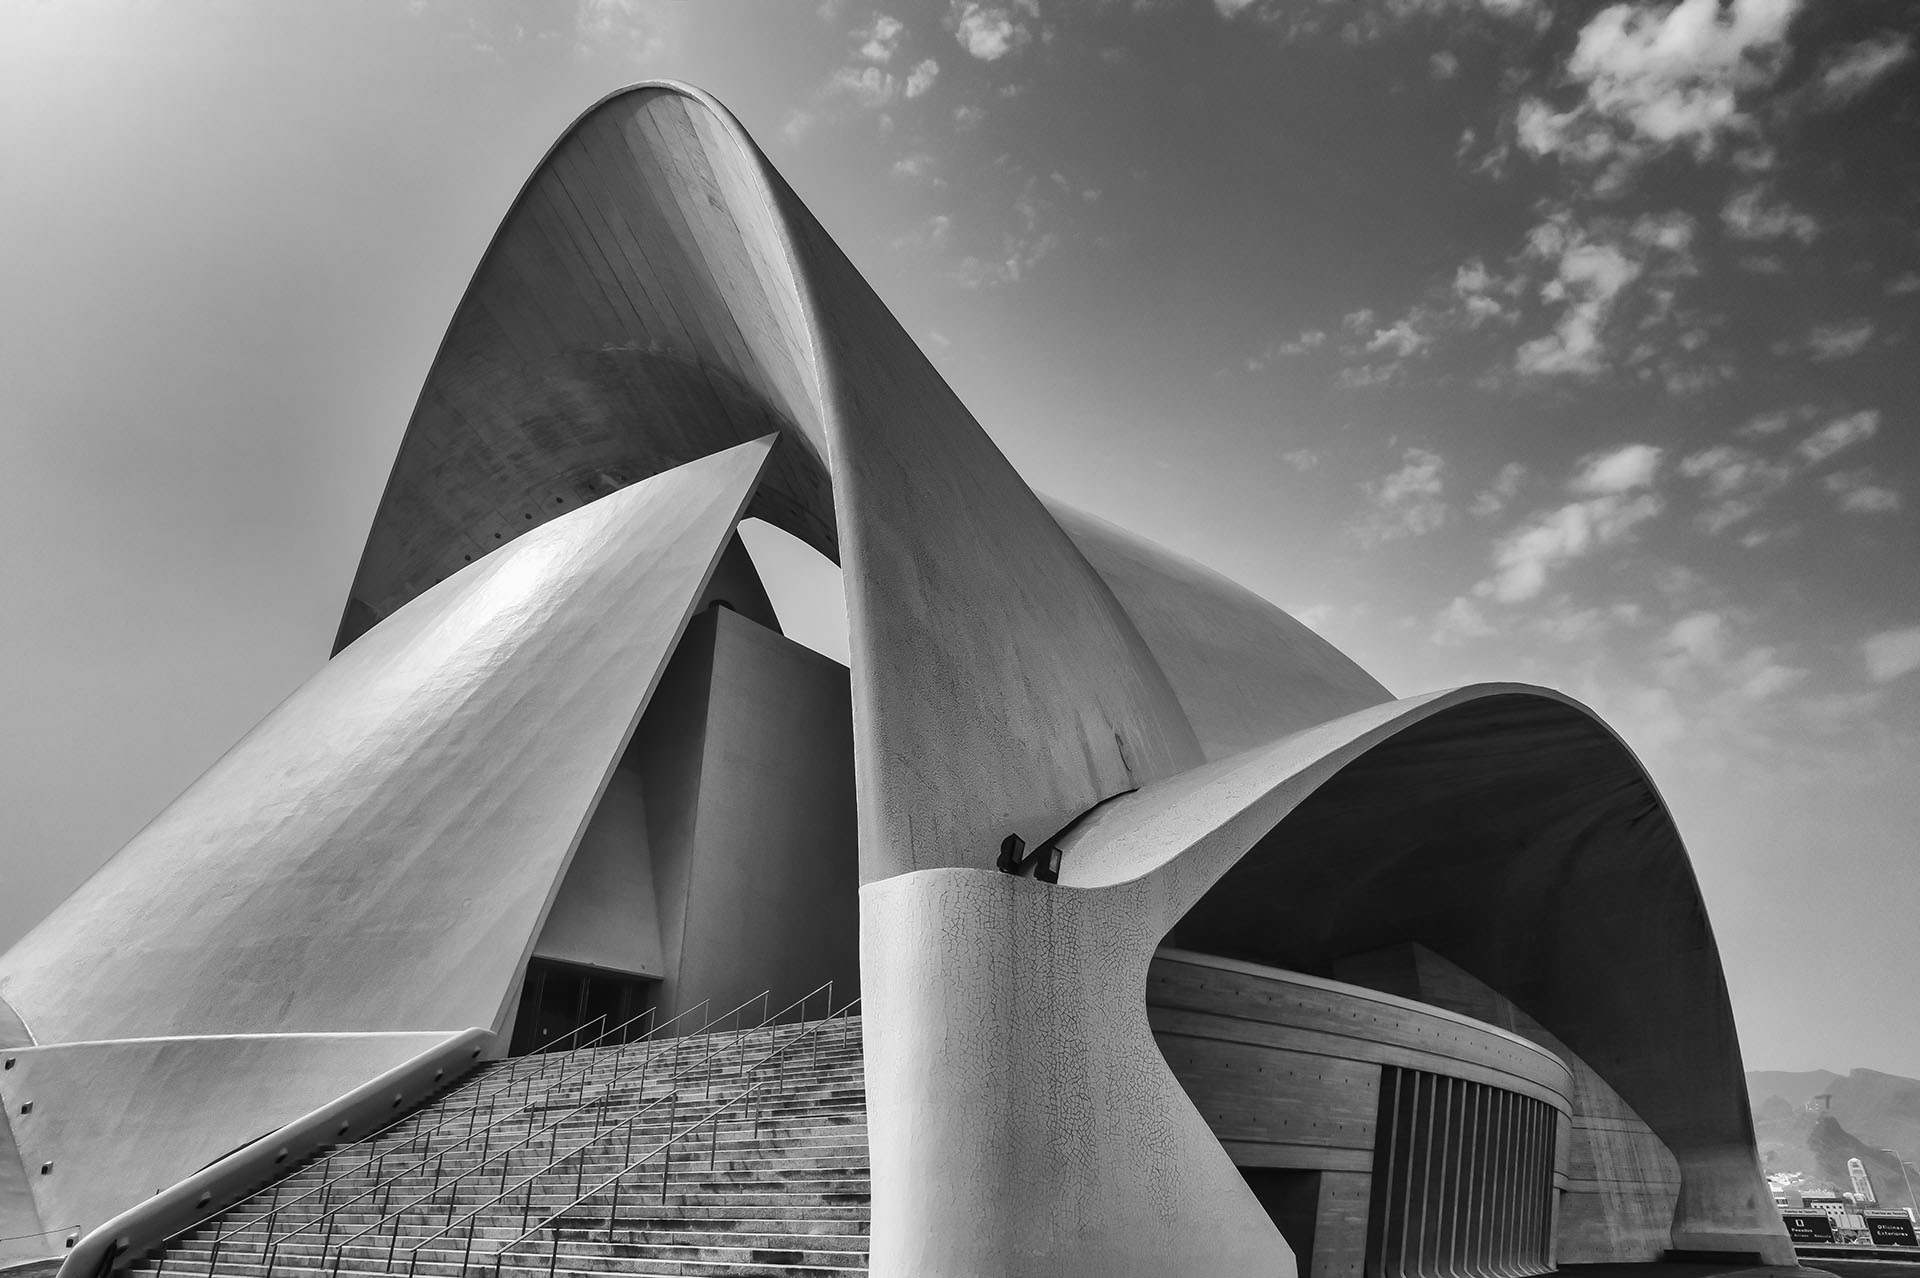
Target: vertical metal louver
1462 1180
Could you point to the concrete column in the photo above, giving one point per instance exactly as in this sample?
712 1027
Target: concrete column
1022 1121
1724 1205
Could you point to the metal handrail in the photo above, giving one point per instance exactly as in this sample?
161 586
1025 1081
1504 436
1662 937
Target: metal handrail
273 1244
413 1254
662 1148
487 1156
331 1209
396 1213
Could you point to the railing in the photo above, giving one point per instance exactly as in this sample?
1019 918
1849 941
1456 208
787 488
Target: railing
330 1210
736 1022
70 1234
663 1150
471 1219
514 1076
224 1184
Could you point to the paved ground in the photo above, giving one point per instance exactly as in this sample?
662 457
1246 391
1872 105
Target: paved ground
1875 1268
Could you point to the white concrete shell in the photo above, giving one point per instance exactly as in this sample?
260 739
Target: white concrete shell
381 852
378 854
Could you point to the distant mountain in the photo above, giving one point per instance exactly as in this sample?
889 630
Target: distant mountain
1869 1113
1795 1089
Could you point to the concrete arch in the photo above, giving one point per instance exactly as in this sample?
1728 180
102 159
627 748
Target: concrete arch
657 292
1146 863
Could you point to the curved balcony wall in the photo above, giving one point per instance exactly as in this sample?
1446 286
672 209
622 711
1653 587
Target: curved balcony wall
1387 1137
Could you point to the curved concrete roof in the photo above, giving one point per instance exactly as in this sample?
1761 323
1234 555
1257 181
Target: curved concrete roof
1245 671
1507 829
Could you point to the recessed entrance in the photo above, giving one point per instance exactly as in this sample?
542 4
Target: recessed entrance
563 1001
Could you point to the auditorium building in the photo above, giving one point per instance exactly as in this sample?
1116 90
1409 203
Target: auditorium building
1182 945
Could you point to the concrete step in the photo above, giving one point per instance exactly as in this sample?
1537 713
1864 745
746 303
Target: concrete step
787 1193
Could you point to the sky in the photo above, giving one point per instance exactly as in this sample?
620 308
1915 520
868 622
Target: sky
1566 343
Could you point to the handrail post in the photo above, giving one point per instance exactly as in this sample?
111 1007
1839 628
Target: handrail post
666 1151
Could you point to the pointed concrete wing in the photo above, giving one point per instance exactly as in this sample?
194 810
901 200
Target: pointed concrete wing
380 851
656 292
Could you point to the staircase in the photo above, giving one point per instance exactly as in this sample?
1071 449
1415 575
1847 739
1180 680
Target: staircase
742 1151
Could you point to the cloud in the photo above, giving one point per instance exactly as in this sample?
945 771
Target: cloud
867 87
1855 492
990 32
1301 459
921 78
1841 433
1021 247
1700 643
1588 279
1849 71
1504 488
880 39
1748 215
1309 339
1407 503
636 29
919 167
1621 470
1701 636
1842 340
1400 338
1527 557
1892 653
1459 621
1655 77
1736 480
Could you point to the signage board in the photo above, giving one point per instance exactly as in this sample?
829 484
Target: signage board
1808 1226
1891 1229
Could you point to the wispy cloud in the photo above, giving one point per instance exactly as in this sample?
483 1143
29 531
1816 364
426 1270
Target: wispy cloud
1892 653
1841 433
1749 215
1495 497
1615 497
1849 71
1858 493
1825 343
1408 502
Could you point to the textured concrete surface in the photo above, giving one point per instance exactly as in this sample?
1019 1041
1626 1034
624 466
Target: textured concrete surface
302 883
1021 1121
120 1121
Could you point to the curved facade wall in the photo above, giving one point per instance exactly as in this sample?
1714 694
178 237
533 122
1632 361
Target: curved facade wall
1427 1142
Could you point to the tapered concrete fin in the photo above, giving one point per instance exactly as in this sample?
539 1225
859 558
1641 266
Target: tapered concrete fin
380 851
1244 671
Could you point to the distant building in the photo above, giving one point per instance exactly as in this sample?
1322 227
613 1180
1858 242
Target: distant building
1862 1186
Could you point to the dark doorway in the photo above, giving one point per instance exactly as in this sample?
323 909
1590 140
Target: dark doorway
568 1006
1292 1199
